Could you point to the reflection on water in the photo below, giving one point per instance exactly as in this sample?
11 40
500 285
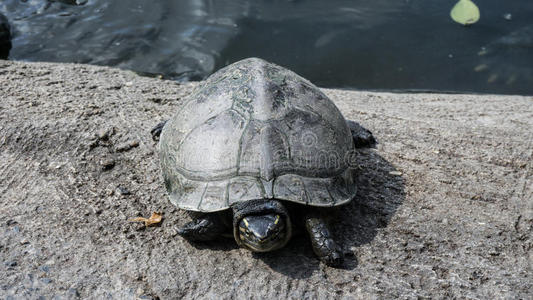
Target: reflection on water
507 60
380 44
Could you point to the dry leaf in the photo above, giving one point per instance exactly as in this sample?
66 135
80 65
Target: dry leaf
155 218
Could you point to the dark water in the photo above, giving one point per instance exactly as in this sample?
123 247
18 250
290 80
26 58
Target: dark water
379 44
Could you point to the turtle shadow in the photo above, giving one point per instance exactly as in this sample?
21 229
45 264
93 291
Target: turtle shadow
380 193
381 190
222 244
295 260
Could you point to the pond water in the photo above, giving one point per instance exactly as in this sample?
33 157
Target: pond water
405 45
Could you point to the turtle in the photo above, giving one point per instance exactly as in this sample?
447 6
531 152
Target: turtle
256 153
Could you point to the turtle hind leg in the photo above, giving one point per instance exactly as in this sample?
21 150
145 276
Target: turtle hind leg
206 227
362 137
156 131
322 241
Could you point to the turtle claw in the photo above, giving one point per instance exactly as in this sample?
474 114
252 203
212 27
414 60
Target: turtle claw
322 242
329 252
334 259
201 229
362 137
156 131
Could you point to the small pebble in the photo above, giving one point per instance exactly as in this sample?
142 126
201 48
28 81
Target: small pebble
395 173
104 134
508 16
117 86
10 264
123 191
45 269
74 292
107 164
127 146
155 99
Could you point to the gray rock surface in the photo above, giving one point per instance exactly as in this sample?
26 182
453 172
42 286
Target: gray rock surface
444 207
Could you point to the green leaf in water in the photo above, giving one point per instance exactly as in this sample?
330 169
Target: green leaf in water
465 12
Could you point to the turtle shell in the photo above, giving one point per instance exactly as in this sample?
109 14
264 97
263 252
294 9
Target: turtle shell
255 130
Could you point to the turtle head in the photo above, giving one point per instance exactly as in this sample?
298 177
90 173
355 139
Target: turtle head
262 233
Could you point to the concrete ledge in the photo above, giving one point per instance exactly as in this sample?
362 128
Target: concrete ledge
445 208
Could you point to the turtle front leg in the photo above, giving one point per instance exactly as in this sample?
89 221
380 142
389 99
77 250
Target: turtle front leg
206 227
362 137
322 241
156 131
